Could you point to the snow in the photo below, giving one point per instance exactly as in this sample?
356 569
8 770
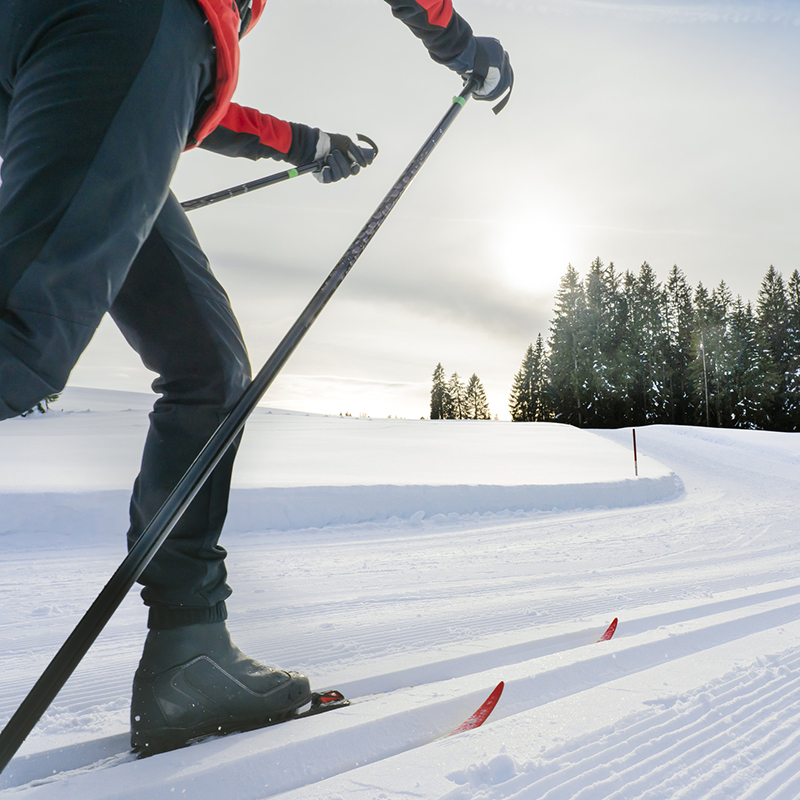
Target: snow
414 565
299 470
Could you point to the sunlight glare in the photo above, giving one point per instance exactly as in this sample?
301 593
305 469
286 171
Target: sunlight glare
534 250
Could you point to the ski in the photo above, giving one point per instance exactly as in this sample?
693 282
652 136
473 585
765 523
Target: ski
609 631
111 750
488 705
482 714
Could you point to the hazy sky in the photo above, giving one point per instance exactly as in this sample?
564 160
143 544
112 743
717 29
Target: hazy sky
637 131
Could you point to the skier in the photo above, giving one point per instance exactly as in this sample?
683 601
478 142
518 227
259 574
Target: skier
97 101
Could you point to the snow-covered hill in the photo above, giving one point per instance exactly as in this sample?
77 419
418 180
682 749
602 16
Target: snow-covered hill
298 470
414 564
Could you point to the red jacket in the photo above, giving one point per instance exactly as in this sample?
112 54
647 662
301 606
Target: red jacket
230 128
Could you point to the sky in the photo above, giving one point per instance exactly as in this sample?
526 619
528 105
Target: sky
658 132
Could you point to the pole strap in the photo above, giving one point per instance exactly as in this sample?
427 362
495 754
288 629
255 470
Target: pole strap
480 72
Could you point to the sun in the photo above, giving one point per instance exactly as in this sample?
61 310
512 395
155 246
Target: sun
533 252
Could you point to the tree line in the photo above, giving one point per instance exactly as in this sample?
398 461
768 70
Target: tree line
452 399
625 350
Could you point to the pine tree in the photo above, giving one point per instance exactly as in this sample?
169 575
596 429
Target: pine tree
607 335
438 393
793 338
541 393
616 321
594 329
678 324
718 352
648 348
703 367
530 394
476 406
773 339
521 401
727 347
454 402
570 369
751 387
604 331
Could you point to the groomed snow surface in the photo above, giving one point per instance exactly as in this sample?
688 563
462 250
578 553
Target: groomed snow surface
414 564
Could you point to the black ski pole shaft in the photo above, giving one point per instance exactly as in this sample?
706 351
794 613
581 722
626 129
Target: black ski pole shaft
101 610
271 180
244 188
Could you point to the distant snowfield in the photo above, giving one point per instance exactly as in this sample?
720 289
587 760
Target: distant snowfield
299 471
414 565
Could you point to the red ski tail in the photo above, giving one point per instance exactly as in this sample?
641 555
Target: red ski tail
481 715
609 631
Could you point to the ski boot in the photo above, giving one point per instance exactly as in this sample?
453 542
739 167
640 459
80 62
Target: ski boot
194 682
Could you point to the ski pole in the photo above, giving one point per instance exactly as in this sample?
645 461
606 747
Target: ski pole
271 180
243 188
76 646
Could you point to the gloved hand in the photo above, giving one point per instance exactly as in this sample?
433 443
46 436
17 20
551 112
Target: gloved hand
341 157
485 58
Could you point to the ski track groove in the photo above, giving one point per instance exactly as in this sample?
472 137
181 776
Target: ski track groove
702 749
781 763
381 639
744 726
645 751
784 784
88 689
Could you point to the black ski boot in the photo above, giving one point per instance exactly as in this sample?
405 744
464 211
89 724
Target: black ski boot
193 681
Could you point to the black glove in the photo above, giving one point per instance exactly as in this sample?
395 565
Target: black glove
341 157
485 58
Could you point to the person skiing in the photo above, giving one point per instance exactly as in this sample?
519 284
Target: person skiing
97 102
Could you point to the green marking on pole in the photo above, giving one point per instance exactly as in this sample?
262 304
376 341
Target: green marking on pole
293 173
460 100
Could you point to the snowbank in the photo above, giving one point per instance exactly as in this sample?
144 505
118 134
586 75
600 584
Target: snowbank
68 472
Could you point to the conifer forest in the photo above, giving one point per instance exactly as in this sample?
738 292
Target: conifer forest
624 349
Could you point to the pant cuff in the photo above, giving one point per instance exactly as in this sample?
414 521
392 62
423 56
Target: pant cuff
165 617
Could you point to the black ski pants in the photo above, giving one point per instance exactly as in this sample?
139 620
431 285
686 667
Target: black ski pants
97 99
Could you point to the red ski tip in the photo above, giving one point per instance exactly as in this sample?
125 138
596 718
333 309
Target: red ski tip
609 631
481 715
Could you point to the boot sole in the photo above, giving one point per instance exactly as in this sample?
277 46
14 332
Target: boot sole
176 738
